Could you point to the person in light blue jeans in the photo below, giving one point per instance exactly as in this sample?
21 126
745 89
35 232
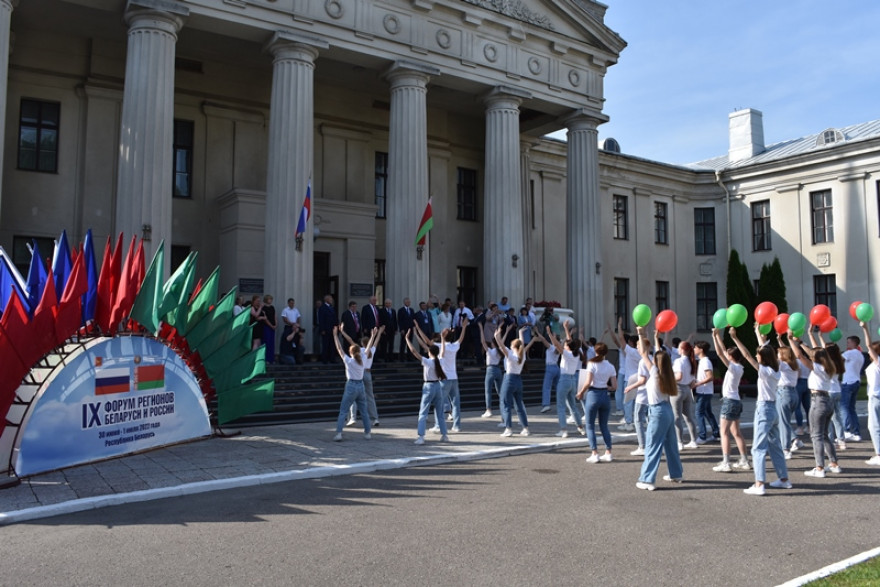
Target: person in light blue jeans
872 373
551 372
432 391
494 372
571 358
601 377
787 398
354 386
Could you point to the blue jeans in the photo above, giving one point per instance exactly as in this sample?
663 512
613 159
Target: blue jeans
511 393
836 418
551 378
565 396
786 400
597 404
452 395
628 408
494 373
704 414
766 438
619 394
661 438
354 393
874 422
803 393
641 422
432 395
371 412
848 394
820 424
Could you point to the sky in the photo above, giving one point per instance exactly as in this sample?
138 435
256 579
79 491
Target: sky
807 65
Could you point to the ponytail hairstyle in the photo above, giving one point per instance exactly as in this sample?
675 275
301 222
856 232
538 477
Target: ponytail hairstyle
355 352
434 352
574 345
665 374
517 347
821 356
787 356
735 355
687 350
835 356
601 349
767 357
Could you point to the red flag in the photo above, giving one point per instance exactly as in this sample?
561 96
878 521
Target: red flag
43 323
104 304
115 270
196 290
17 326
78 282
69 316
121 299
139 269
10 375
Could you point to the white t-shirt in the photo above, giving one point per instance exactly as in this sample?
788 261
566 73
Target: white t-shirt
368 360
652 388
292 314
642 392
429 372
683 365
804 371
447 361
873 376
632 360
819 380
551 356
602 372
704 365
570 362
353 369
730 387
787 376
852 364
493 357
768 381
444 321
511 362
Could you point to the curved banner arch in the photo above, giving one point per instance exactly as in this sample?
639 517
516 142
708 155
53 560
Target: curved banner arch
112 396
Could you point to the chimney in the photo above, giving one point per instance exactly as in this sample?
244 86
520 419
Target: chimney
746 134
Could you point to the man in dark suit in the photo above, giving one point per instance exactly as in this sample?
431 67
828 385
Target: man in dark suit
388 319
424 320
370 316
326 321
351 323
405 323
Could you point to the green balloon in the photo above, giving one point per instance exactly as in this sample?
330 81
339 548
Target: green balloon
865 312
797 321
835 335
641 315
719 318
765 328
737 315
799 333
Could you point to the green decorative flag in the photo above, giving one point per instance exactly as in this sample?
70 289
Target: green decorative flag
242 370
144 311
207 297
213 322
425 225
221 334
238 343
232 404
176 291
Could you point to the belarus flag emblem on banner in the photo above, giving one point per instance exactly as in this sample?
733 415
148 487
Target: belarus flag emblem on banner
149 377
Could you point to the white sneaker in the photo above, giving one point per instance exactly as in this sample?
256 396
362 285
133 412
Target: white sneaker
525 432
616 413
622 421
744 465
507 432
626 427
487 414
449 417
562 434
606 458
435 429
367 436
833 469
570 420
375 424
722 467
456 429
639 452
545 409
582 431
672 479
351 422
852 437
797 443
593 459
820 473
786 454
780 484
755 490
702 441
420 440
691 444
875 460
645 486
841 445
338 437
680 446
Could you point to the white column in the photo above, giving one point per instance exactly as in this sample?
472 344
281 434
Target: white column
503 244
583 220
289 272
143 196
405 274
5 18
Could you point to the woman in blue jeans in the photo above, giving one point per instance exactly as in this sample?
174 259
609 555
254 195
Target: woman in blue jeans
354 386
511 385
872 373
661 422
494 373
766 430
601 378
432 391
572 358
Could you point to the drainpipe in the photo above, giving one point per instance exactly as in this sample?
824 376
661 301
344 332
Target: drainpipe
727 200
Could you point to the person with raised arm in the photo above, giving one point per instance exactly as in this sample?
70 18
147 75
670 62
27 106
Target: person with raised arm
368 353
684 365
872 373
787 398
494 373
639 382
451 391
766 430
432 390
819 382
572 359
600 379
704 388
511 384
731 405
551 369
660 437
354 386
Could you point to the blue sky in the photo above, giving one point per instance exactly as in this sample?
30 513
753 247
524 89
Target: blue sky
806 64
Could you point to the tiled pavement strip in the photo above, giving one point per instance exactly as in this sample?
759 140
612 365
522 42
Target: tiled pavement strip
271 454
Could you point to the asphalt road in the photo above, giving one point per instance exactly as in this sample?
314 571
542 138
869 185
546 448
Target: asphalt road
541 519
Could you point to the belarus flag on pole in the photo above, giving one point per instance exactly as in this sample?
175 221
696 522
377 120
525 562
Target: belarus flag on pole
306 211
425 225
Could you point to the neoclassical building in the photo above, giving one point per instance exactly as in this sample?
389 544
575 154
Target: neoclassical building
204 123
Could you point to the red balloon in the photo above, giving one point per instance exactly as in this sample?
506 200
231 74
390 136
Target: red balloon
766 312
781 324
819 314
829 324
666 321
852 309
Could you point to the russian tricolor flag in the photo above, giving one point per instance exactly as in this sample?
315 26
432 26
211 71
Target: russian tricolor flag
115 380
306 211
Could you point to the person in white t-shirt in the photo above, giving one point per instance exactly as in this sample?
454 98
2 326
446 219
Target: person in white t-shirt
731 405
787 399
601 378
873 376
704 389
853 359
511 384
684 365
432 391
639 382
368 353
354 386
571 361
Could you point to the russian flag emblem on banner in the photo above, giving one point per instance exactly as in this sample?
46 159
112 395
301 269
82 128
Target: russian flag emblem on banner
115 380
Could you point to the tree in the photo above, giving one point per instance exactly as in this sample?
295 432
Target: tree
741 291
771 287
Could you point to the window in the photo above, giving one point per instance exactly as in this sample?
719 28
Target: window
179 253
761 226
38 135
621 300
662 301
466 279
822 217
621 226
379 278
184 131
381 183
707 304
467 194
704 231
660 223
825 288
21 252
